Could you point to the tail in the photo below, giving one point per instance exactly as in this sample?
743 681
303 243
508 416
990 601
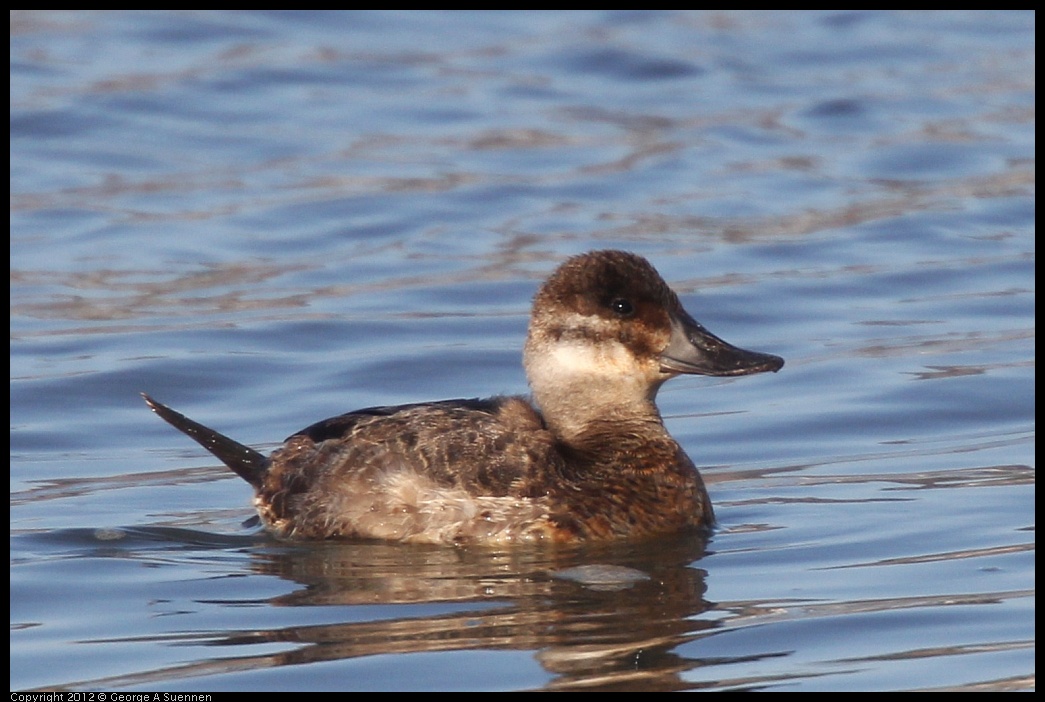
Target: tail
243 460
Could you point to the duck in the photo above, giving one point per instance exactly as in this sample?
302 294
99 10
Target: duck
585 458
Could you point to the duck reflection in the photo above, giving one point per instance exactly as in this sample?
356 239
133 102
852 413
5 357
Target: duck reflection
606 616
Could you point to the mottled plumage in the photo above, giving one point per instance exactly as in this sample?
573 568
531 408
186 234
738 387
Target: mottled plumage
591 461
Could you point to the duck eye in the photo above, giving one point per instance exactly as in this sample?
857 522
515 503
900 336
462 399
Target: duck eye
622 307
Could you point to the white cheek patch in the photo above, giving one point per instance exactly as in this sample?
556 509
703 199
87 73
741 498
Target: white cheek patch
585 358
576 373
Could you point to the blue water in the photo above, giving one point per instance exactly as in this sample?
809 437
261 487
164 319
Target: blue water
268 218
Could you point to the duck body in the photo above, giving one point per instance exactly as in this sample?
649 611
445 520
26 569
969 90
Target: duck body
589 459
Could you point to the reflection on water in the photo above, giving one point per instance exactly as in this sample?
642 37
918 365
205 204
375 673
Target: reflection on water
608 616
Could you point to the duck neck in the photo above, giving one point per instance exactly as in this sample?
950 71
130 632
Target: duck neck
598 414
584 388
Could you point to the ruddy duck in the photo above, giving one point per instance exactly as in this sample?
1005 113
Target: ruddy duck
588 459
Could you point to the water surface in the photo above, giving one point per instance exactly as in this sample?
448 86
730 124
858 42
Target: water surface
268 218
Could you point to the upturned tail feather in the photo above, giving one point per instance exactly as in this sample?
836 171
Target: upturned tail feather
243 460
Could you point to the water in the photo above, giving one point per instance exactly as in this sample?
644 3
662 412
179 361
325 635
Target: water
264 219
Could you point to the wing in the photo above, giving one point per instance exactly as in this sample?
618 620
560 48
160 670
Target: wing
367 467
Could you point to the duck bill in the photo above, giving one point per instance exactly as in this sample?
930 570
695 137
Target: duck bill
694 350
